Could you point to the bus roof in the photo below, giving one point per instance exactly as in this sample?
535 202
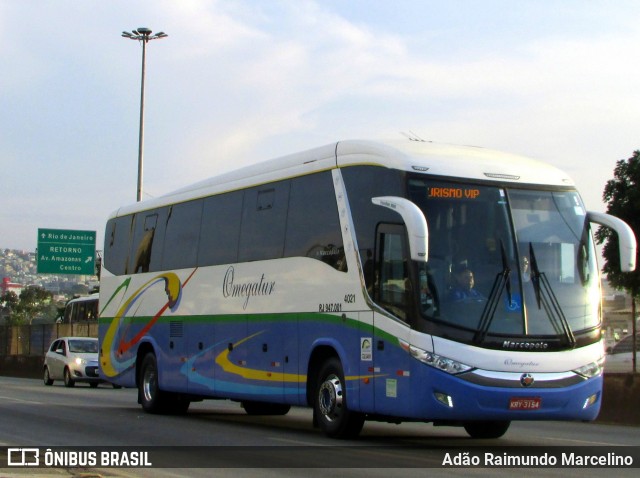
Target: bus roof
84 298
436 159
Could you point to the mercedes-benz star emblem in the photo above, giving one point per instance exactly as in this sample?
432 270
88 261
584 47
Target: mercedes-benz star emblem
526 379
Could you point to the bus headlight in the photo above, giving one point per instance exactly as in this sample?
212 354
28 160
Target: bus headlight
591 370
438 361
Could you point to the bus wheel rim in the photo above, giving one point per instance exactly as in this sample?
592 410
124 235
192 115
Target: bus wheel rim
148 386
330 397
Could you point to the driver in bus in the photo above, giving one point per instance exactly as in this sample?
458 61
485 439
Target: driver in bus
464 285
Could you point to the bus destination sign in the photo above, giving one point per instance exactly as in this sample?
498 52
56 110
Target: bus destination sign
62 251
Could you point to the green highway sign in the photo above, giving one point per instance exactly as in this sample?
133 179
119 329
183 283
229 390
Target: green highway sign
62 251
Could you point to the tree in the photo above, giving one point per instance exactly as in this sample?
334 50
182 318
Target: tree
33 302
8 302
622 195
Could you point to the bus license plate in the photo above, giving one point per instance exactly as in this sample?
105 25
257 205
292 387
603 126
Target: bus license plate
528 403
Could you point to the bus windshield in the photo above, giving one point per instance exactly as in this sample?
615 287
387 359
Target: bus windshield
506 262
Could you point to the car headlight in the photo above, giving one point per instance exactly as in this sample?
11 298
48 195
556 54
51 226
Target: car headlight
438 361
80 361
592 369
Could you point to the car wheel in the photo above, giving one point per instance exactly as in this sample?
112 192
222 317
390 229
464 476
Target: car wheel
68 381
47 377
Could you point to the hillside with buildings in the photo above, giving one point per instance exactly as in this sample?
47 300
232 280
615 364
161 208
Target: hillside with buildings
18 269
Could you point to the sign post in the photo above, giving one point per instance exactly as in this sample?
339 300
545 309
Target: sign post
62 251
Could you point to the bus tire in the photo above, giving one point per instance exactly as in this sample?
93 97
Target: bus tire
152 398
487 429
330 405
263 408
68 381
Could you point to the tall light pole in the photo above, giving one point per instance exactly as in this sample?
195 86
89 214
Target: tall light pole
144 36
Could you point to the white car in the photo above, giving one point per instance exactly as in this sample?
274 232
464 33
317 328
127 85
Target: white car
72 359
620 358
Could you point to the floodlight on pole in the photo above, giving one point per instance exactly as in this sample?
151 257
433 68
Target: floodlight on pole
144 36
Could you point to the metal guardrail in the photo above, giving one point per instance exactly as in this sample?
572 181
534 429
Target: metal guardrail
35 339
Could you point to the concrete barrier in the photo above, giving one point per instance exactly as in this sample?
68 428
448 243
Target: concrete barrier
25 366
620 398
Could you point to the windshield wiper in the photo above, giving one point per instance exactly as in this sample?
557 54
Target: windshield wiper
546 298
501 283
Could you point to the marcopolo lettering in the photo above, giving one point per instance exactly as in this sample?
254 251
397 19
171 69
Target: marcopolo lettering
511 345
230 288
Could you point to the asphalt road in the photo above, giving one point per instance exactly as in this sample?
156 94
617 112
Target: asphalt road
32 415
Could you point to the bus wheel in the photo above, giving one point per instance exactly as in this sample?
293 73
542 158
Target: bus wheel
487 429
151 397
47 377
68 381
262 408
330 404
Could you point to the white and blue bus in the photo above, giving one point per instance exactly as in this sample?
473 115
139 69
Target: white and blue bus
369 281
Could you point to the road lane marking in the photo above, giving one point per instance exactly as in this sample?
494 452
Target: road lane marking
20 400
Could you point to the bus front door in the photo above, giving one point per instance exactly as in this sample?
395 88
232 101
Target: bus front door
392 291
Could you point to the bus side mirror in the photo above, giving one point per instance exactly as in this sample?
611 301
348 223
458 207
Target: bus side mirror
626 238
414 219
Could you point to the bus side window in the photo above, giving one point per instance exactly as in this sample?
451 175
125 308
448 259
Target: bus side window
220 230
117 244
313 224
182 235
143 249
67 313
147 244
264 219
92 310
80 312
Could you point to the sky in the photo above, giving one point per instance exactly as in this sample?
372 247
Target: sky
237 82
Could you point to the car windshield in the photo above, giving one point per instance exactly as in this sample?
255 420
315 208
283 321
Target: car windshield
81 346
506 261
